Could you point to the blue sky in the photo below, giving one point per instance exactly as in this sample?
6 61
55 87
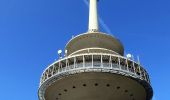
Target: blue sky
31 32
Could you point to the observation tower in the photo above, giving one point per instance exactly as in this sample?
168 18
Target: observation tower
94 68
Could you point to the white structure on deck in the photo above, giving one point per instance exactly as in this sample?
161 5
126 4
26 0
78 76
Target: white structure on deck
94 68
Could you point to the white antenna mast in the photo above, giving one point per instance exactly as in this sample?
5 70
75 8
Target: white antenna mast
101 21
93 16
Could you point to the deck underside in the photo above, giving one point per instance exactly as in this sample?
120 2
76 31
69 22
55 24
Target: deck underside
95 86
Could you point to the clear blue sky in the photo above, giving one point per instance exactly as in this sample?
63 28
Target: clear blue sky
31 32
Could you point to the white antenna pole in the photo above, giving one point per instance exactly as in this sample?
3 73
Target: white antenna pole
93 16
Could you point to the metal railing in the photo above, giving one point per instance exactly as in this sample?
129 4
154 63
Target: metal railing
95 61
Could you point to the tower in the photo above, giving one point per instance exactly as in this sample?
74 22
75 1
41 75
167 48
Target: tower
94 68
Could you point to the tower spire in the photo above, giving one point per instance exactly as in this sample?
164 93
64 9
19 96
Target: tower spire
93 16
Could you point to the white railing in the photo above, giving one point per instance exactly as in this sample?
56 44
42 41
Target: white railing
95 61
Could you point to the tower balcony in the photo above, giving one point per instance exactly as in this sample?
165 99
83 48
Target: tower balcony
94 63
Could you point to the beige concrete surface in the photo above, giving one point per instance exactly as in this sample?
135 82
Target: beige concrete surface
95 86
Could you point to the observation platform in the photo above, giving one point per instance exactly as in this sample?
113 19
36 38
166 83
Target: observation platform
94 40
83 76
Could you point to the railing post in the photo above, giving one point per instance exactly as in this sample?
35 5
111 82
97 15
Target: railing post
139 70
92 60
53 70
48 72
133 66
83 61
110 62
74 62
119 63
66 64
127 65
144 74
134 69
101 61
58 66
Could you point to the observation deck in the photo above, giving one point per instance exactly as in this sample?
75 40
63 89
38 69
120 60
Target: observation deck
94 40
94 69
70 72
